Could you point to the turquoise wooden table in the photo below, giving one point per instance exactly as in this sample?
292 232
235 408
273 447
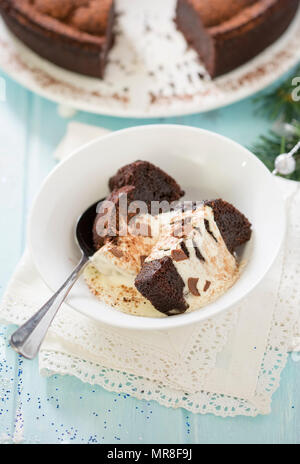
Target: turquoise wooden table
62 409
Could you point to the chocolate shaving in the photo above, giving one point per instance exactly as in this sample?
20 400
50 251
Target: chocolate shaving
112 240
184 249
207 226
207 285
117 252
192 284
199 255
179 255
142 259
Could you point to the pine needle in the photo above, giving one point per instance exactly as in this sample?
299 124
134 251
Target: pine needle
281 106
280 103
269 146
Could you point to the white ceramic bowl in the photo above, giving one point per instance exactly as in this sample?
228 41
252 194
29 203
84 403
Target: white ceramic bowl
205 164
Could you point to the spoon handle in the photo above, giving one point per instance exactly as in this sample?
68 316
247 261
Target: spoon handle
29 337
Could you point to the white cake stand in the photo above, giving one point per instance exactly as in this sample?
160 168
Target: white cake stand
151 72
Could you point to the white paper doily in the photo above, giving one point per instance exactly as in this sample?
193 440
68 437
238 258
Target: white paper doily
209 400
151 72
227 366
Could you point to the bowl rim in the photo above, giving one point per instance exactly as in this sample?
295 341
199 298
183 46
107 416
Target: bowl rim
127 321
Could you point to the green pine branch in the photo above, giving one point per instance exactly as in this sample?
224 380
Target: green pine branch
268 147
279 103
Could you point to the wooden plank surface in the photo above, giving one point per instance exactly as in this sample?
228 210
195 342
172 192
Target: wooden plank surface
62 409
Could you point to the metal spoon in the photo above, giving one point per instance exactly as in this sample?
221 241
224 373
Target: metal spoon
28 338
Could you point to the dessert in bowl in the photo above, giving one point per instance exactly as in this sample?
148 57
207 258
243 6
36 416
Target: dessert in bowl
158 256
206 166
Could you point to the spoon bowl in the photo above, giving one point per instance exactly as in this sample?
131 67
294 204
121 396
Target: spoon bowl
84 230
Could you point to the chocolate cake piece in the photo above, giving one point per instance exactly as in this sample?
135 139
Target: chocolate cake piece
228 33
232 224
74 34
140 181
161 284
150 182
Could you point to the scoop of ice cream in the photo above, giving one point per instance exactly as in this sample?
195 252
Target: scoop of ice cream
113 268
126 254
192 248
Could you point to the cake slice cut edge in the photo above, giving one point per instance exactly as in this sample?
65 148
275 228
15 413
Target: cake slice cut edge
228 41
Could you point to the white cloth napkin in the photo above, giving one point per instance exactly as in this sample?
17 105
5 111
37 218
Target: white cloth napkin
228 366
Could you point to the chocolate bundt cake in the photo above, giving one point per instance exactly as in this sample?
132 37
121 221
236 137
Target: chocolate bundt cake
78 34
228 33
74 34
